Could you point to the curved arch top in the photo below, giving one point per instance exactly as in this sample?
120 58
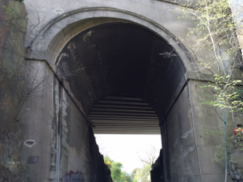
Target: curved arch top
54 35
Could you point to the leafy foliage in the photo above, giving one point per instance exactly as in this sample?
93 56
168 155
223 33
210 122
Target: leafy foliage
116 171
142 174
216 30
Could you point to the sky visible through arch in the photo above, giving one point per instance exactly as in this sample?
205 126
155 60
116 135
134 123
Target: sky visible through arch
127 148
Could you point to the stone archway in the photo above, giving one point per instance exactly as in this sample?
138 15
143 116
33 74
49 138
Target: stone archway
128 59
47 43
58 141
117 57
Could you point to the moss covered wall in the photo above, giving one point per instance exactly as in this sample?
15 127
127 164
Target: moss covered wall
12 87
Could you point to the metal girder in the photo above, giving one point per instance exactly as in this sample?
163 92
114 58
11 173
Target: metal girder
124 114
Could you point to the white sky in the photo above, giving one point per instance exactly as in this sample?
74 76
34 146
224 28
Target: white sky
126 148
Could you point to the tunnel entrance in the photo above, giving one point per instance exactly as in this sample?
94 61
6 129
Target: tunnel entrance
122 59
127 79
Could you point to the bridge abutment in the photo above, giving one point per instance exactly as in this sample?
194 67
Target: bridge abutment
77 55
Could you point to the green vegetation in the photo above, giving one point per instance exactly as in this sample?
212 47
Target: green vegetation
117 174
142 174
216 31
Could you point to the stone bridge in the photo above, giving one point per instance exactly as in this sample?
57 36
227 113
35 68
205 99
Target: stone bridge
102 66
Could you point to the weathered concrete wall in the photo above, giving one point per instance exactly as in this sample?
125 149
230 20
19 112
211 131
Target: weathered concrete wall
51 26
12 91
68 19
161 13
58 142
74 139
208 124
190 152
205 118
36 121
180 148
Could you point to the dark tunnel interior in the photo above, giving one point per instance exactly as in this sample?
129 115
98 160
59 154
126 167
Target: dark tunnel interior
123 73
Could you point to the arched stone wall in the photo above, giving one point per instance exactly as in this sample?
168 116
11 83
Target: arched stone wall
187 156
55 34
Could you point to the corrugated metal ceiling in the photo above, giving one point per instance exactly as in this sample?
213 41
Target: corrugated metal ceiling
123 115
